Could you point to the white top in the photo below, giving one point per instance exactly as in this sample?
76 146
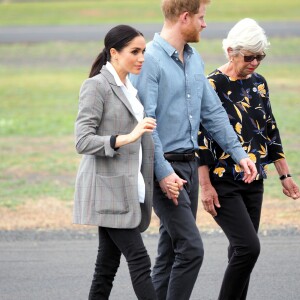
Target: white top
130 92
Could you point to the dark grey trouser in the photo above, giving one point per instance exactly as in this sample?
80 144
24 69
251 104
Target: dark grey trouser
180 249
113 243
239 218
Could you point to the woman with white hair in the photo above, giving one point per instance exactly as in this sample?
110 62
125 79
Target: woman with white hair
236 206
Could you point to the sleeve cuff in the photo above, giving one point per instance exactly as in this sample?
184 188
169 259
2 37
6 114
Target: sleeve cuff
112 141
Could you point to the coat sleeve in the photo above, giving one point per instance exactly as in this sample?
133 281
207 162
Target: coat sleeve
90 112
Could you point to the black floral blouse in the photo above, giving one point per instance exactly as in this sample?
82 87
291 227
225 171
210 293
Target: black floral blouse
249 110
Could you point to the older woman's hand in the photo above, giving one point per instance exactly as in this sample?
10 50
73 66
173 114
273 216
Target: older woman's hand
209 198
290 188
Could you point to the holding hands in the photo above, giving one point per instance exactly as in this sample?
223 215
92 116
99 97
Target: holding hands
171 186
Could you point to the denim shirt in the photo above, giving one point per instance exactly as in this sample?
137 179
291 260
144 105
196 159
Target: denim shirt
179 97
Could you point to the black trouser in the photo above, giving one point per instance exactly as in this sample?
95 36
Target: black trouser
180 248
113 243
239 218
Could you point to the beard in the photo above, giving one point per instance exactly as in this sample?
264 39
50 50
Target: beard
191 35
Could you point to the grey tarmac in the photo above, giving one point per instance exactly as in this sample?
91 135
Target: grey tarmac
216 30
58 265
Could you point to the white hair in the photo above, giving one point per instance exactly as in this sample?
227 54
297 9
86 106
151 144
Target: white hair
247 35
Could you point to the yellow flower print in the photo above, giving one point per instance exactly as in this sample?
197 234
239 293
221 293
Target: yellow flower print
219 171
205 147
252 157
247 148
262 151
247 100
238 128
262 90
224 156
237 168
238 112
245 105
241 139
212 83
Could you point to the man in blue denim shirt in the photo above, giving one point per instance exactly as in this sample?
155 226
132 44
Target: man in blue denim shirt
174 90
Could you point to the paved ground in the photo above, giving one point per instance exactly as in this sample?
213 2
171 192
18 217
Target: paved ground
96 32
59 265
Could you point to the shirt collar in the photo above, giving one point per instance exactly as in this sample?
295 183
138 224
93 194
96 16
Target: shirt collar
169 48
118 81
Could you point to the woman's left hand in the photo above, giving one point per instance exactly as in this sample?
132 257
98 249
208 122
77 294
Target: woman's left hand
290 188
173 188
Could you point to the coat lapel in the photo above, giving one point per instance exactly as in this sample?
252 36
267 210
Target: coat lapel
116 89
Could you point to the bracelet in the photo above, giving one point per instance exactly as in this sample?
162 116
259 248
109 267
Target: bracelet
282 177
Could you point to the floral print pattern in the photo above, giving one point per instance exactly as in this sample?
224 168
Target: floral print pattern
249 111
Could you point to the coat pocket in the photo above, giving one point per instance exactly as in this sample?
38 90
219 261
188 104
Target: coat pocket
110 195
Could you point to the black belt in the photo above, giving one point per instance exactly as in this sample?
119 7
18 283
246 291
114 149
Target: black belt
180 156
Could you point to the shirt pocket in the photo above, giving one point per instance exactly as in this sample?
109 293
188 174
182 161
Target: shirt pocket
198 83
110 195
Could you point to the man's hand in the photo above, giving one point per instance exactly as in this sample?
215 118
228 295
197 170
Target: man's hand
168 186
249 169
209 198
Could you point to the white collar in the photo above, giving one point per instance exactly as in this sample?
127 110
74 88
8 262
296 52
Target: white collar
118 81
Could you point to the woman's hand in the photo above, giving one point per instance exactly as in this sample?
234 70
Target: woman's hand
146 125
171 186
209 198
290 188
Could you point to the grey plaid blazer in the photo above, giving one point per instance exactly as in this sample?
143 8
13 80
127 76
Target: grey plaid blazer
106 191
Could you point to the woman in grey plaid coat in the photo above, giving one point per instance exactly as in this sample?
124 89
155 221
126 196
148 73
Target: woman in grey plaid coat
114 181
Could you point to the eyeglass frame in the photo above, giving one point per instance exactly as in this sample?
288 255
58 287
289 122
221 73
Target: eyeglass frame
250 58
